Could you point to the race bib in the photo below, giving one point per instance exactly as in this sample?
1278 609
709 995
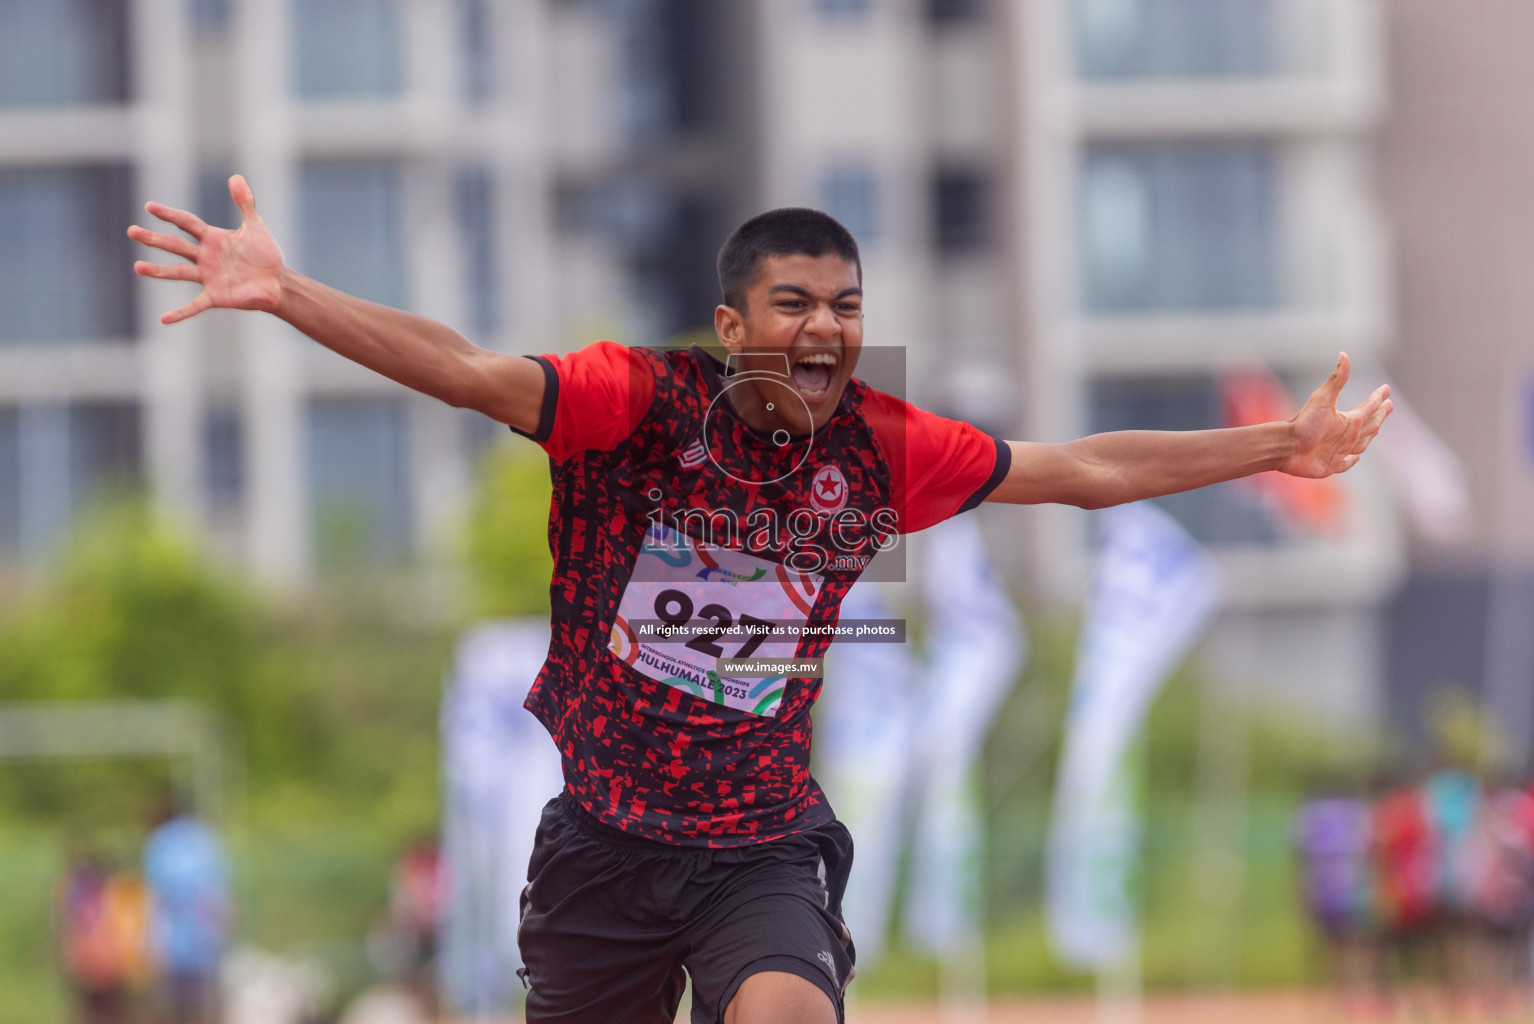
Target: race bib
688 605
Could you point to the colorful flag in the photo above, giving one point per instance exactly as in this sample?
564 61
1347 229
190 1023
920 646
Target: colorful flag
1153 592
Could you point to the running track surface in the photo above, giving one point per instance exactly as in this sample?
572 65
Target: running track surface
1236 1008
1298 1007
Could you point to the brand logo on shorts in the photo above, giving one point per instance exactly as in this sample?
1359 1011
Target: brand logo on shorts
824 956
828 490
694 455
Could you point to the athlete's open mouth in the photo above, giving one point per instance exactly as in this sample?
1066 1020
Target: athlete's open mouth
812 374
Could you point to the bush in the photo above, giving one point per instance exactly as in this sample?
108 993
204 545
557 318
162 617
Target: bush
506 545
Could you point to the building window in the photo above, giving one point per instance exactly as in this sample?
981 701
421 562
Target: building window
1227 513
960 212
106 453
852 197
63 51
673 69
954 12
646 104
45 477
352 228
213 202
474 200
347 48
65 264
358 480
223 434
1178 225
55 460
477 43
478 434
1147 38
210 16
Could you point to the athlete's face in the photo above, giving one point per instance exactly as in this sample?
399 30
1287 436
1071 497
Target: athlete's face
803 316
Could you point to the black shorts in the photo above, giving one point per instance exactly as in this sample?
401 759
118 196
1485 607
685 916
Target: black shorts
610 922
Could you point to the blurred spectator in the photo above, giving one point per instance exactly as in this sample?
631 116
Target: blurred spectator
415 915
103 918
185 868
1334 839
128 910
1497 873
1406 861
1452 797
1428 894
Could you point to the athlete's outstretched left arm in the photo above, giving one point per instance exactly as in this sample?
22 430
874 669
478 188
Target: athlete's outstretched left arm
1124 466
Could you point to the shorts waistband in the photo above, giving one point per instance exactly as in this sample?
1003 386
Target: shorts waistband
588 823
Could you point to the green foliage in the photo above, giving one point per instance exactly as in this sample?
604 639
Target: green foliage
370 685
28 975
134 612
1464 735
329 710
506 543
324 708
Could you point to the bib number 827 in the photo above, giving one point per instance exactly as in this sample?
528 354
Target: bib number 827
675 609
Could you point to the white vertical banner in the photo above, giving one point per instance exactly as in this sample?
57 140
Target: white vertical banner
863 742
976 645
499 769
1154 590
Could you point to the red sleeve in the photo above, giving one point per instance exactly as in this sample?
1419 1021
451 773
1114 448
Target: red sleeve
941 466
593 398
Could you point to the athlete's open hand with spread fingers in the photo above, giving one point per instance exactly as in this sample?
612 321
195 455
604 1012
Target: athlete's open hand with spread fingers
1328 441
1128 465
243 269
239 269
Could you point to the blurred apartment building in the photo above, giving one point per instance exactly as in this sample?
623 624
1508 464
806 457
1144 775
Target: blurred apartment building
1075 215
398 153
538 173
1198 198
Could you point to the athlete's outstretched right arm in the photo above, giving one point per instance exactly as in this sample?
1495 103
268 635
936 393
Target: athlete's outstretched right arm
243 269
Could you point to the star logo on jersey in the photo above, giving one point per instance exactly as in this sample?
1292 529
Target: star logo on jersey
694 455
828 490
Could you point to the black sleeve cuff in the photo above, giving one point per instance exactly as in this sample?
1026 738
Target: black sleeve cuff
550 403
998 474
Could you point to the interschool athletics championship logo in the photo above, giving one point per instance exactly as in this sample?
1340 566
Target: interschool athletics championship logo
828 490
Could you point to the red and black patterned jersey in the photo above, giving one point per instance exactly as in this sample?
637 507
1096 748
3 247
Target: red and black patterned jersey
669 510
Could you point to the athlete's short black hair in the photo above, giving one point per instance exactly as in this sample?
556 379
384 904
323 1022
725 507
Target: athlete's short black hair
790 231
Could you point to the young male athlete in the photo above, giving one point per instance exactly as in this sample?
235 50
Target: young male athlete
734 505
